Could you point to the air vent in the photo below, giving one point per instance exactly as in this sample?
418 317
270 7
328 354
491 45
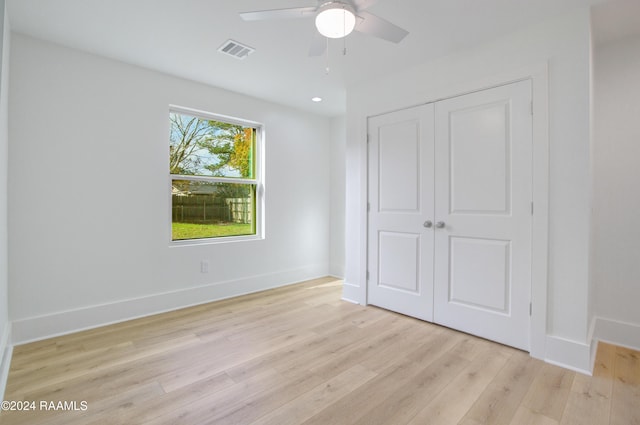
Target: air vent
235 49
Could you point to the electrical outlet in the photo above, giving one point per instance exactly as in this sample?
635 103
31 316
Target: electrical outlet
204 266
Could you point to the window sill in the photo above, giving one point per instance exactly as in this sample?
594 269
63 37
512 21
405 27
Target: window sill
214 241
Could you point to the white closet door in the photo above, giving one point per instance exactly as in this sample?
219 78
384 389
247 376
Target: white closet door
400 246
483 177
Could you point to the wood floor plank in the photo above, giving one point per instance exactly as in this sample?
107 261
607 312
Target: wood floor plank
109 406
151 361
251 408
308 404
260 319
421 351
395 372
589 401
292 359
498 403
240 404
625 402
298 354
406 400
353 406
76 365
227 356
212 388
353 315
397 333
453 402
549 391
525 416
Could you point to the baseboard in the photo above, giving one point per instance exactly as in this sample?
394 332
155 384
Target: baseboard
617 333
65 322
569 354
350 301
6 350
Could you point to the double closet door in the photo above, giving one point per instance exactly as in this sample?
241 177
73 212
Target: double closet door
449 221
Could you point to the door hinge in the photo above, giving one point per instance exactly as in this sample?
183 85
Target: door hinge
531 107
531 207
368 207
367 138
530 309
367 275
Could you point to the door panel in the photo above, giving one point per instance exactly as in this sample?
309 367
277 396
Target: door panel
480 260
398 261
399 168
400 248
483 197
479 159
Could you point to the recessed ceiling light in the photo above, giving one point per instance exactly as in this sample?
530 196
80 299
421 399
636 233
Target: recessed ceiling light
316 99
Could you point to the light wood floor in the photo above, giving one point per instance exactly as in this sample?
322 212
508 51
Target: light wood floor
299 355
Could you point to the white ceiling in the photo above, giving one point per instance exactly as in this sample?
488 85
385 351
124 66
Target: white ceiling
181 37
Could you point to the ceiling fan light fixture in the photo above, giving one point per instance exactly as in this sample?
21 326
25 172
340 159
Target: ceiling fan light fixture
335 20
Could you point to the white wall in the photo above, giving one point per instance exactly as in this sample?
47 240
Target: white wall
616 265
338 142
89 203
564 44
4 165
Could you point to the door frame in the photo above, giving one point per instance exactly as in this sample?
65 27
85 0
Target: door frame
540 194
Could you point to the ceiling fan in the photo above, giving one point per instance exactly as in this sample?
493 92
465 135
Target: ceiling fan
335 19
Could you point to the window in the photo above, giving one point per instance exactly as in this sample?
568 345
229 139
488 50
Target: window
215 171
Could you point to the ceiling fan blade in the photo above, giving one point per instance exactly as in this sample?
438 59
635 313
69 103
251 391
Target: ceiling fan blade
378 27
363 4
318 45
296 12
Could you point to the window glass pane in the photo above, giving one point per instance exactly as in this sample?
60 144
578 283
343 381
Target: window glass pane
202 147
210 210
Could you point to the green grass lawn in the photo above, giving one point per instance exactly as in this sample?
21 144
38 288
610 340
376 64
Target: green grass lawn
198 231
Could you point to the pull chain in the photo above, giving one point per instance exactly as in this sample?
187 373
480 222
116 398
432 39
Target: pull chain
327 68
344 39
344 48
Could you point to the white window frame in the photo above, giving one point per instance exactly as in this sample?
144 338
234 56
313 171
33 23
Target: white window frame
257 181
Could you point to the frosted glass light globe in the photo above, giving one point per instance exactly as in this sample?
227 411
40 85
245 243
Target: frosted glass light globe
335 20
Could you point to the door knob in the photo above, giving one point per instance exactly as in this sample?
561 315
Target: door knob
428 224
440 225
